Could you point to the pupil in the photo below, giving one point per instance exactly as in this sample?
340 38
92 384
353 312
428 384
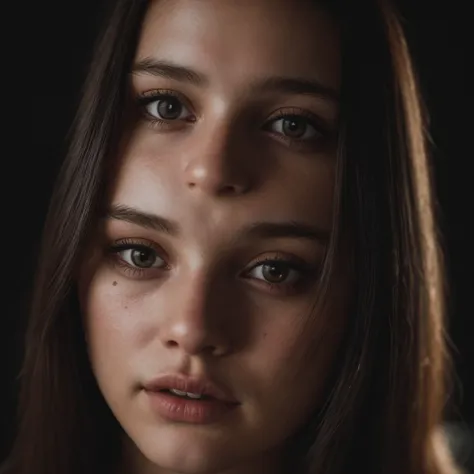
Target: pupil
294 127
169 108
274 273
143 258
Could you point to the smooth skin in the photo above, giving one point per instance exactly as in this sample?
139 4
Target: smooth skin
176 278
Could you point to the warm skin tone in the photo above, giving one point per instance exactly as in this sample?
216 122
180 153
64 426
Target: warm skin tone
197 300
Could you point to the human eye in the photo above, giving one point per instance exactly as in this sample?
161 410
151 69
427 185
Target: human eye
283 274
162 107
298 128
137 258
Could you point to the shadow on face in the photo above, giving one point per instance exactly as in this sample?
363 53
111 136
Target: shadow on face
207 263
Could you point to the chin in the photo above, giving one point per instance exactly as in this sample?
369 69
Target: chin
188 453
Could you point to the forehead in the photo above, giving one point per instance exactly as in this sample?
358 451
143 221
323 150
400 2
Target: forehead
234 39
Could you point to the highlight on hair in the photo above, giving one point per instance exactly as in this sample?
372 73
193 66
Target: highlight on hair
386 400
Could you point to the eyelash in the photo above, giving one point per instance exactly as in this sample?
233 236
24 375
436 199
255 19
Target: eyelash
310 119
307 273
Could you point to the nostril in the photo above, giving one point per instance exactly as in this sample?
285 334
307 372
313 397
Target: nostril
228 190
172 344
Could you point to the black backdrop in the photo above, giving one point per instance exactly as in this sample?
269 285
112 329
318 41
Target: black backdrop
46 50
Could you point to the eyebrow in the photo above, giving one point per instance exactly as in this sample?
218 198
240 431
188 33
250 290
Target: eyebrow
283 84
142 219
169 70
262 229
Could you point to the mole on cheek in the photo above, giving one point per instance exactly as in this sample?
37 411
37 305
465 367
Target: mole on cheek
114 283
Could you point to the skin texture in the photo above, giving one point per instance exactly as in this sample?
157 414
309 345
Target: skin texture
224 162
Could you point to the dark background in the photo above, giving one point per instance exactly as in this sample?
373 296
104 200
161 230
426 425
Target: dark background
47 50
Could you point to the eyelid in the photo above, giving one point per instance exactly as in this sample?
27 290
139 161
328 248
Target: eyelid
295 111
289 265
135 242
278 257
303 145
308 275
145 98
308 272
128 243
130 249
294 263
315 120
154 94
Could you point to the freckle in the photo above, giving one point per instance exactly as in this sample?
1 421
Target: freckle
114 283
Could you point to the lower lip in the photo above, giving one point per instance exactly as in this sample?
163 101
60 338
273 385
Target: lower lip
185 410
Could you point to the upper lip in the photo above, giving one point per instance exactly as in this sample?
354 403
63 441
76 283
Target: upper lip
183 383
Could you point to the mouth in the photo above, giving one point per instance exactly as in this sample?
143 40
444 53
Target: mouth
188 400
186 395
190 388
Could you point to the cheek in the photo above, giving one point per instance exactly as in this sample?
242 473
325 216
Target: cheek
286 377
289 356
111 330
291 364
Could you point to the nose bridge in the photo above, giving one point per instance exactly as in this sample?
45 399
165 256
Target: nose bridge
195 321
215 161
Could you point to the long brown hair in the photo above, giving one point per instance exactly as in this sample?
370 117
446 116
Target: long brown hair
386 404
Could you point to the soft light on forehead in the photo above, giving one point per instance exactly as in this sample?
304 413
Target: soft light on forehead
231 41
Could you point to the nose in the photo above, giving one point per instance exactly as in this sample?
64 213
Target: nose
216 162
196 321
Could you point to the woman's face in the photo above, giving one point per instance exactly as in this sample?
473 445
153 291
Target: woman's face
207 263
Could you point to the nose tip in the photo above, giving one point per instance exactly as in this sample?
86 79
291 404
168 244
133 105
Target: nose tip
219 160
216 182
195 346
